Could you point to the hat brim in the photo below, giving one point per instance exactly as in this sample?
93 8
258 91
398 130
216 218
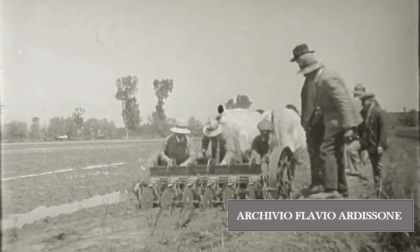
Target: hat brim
212 133
295 58
366 96
358 92
180 130
310 68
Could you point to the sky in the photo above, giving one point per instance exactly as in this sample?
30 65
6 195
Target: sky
57 55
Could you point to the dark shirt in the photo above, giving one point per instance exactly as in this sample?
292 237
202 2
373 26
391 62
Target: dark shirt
180 151
215 141
263 147
373 128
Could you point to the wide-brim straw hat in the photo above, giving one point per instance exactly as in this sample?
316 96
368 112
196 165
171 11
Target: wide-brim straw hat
181 127
212 129
230 183
265 125
190 184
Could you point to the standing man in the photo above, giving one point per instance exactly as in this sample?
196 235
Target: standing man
354 158
373 136
311 117
325 91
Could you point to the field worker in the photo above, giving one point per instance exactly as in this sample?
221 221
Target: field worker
327 91
263 144
355 158
177 147
373 135
212 135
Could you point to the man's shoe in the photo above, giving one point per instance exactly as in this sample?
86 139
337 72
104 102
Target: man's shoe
314 189
326 195
344 194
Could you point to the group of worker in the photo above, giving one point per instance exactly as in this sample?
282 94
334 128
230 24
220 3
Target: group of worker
337 126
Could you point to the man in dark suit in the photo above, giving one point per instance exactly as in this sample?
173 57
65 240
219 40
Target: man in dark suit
373 135
329 118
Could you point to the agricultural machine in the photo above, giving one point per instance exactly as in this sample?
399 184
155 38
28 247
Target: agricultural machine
272 179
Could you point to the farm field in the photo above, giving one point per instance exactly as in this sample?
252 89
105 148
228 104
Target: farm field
52 178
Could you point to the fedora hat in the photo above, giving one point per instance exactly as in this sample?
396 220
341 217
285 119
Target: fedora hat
212 129
359 89
367 96
181 127
299 51
308 63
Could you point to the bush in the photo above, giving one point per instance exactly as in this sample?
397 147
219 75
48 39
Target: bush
401 181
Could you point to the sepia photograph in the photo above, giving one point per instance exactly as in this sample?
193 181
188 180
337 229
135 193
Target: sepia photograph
210 125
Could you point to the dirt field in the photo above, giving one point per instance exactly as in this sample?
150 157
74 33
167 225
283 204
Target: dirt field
37 176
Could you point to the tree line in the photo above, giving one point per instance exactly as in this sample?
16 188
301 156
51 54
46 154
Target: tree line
77 127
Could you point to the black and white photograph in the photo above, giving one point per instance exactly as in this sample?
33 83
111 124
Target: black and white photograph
133 125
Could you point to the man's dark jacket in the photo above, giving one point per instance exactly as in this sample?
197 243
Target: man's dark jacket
373 128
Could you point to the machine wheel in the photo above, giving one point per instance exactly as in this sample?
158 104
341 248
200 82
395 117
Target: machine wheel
280 173
285 175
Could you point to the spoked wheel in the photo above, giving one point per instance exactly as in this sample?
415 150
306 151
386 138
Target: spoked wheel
285 176
280 174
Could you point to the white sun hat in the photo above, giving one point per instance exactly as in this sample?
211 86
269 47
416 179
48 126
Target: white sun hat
212 129
181 127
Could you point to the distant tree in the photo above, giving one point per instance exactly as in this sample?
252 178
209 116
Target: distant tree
99 129
56 127
412 118
195 126
409 118
242 101
126 91
15 131
78 119
60 126
159 119
35 129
